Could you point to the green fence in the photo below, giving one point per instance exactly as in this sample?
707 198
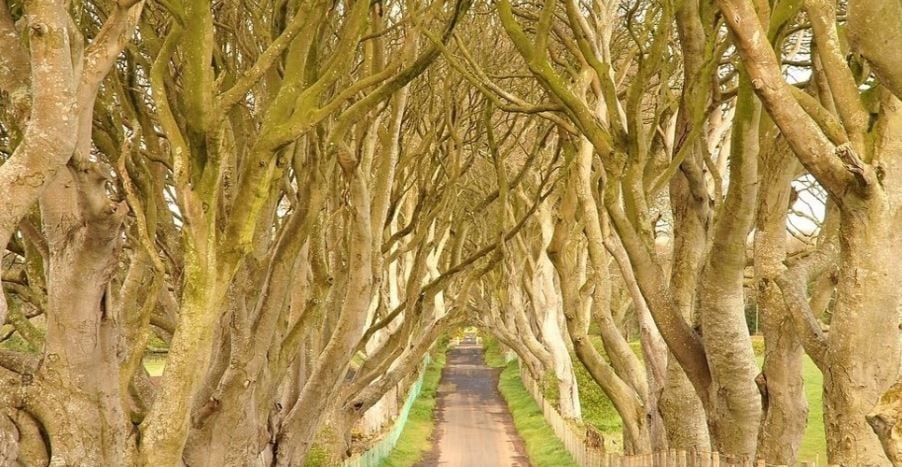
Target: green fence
383 447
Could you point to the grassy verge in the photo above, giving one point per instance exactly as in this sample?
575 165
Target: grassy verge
814 441
542 446
416 438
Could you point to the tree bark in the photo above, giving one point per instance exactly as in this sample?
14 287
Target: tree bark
734 404
302 421
50 137
860 356
626 399
780 382
886 420
81 371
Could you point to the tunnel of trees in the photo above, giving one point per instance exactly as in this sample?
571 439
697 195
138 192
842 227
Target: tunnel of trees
296 198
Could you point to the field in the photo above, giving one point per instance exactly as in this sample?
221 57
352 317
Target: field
155 363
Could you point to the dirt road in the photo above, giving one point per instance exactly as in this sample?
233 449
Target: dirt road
474 426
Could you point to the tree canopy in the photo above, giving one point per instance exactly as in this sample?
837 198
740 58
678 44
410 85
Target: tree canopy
295 199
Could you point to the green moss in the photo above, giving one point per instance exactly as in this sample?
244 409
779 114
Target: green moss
551 390
18 344
416 438
317 457
326 448
493 354
157 345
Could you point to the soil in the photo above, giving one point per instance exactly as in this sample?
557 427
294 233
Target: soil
474 425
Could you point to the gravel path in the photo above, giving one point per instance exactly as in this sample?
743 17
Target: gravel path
474 426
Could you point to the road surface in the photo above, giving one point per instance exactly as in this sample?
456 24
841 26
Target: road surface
474 426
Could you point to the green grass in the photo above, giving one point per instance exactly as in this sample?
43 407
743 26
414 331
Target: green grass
814 441
155 363
597 409
542 446
416 438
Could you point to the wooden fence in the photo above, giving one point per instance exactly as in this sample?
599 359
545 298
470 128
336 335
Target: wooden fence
588 450
382 448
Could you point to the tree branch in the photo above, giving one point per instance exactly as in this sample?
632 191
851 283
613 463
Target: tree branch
810 144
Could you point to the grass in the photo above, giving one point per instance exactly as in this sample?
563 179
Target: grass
155 363
542 446
814 441
597 409
416 438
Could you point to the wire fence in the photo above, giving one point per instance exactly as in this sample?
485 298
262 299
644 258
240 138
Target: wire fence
587 448
381 449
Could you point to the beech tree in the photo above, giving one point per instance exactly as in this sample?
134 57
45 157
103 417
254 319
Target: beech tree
49 90
298 199
853 159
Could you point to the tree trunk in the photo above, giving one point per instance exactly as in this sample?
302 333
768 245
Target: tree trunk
734 404
680 406
303 419
654 350
860 356
886 420
863 355
627 400
165 430
546 303
780 382
81 398
51 133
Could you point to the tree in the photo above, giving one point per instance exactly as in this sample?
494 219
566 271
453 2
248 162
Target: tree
854 160
297 199
52 161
